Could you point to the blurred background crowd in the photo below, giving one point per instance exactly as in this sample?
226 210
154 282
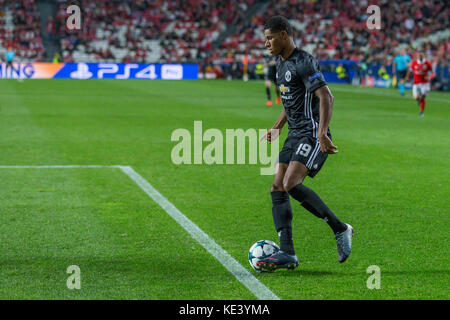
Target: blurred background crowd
220 35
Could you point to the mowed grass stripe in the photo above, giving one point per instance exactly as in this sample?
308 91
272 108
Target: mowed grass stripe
388 179
126 247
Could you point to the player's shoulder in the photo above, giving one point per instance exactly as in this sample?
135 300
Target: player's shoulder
304 59
302 55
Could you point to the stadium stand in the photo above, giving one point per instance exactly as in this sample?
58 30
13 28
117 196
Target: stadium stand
338 30
147 31
218 34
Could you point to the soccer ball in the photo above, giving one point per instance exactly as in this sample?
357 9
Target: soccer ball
261 250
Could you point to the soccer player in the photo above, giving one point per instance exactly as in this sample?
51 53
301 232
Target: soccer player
400 67
271 77
308 103
421 85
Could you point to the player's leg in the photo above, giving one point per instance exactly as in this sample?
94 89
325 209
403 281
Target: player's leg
425 88
269 98
402 87
422 105
10 67
281 210
308 159
419 96
293 184
282 217
401 81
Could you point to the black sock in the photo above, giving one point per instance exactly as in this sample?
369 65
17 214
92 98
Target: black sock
312 202
282 217
268 93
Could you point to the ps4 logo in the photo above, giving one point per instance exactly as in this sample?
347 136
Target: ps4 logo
82 72
111 70
126 71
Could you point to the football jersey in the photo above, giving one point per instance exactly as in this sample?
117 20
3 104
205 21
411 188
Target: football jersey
297 78
421 71
9 55
402 62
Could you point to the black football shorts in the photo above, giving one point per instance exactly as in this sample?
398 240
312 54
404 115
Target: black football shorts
304 149
401 74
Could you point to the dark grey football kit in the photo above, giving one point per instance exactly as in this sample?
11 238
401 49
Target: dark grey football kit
297 78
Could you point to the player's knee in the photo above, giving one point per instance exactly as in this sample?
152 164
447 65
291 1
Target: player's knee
276 187
288 185
290 182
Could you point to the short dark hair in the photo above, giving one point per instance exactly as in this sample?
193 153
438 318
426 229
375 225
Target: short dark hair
278 24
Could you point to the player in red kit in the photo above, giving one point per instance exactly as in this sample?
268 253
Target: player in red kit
421 85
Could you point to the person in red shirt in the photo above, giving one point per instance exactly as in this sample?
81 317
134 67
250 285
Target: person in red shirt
421 85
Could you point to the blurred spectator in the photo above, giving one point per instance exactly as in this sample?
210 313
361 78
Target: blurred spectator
57 58
342 74
183 31
189 31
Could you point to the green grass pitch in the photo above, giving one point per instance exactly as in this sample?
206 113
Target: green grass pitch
389 180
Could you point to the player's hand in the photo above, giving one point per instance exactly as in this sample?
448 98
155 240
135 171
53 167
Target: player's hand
270 135
327 146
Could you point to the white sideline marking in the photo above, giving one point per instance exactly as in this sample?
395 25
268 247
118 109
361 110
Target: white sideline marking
361 90
57 166
234 267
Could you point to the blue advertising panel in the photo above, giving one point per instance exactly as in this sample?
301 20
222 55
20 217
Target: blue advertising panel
328 68
128 71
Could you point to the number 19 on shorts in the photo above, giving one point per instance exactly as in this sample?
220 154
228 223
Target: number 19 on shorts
303 149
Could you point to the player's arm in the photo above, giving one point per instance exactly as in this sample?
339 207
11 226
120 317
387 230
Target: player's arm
314 82
274 132
279 124
326 110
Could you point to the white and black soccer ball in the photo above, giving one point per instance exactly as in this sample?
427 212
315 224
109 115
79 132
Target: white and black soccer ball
260 250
